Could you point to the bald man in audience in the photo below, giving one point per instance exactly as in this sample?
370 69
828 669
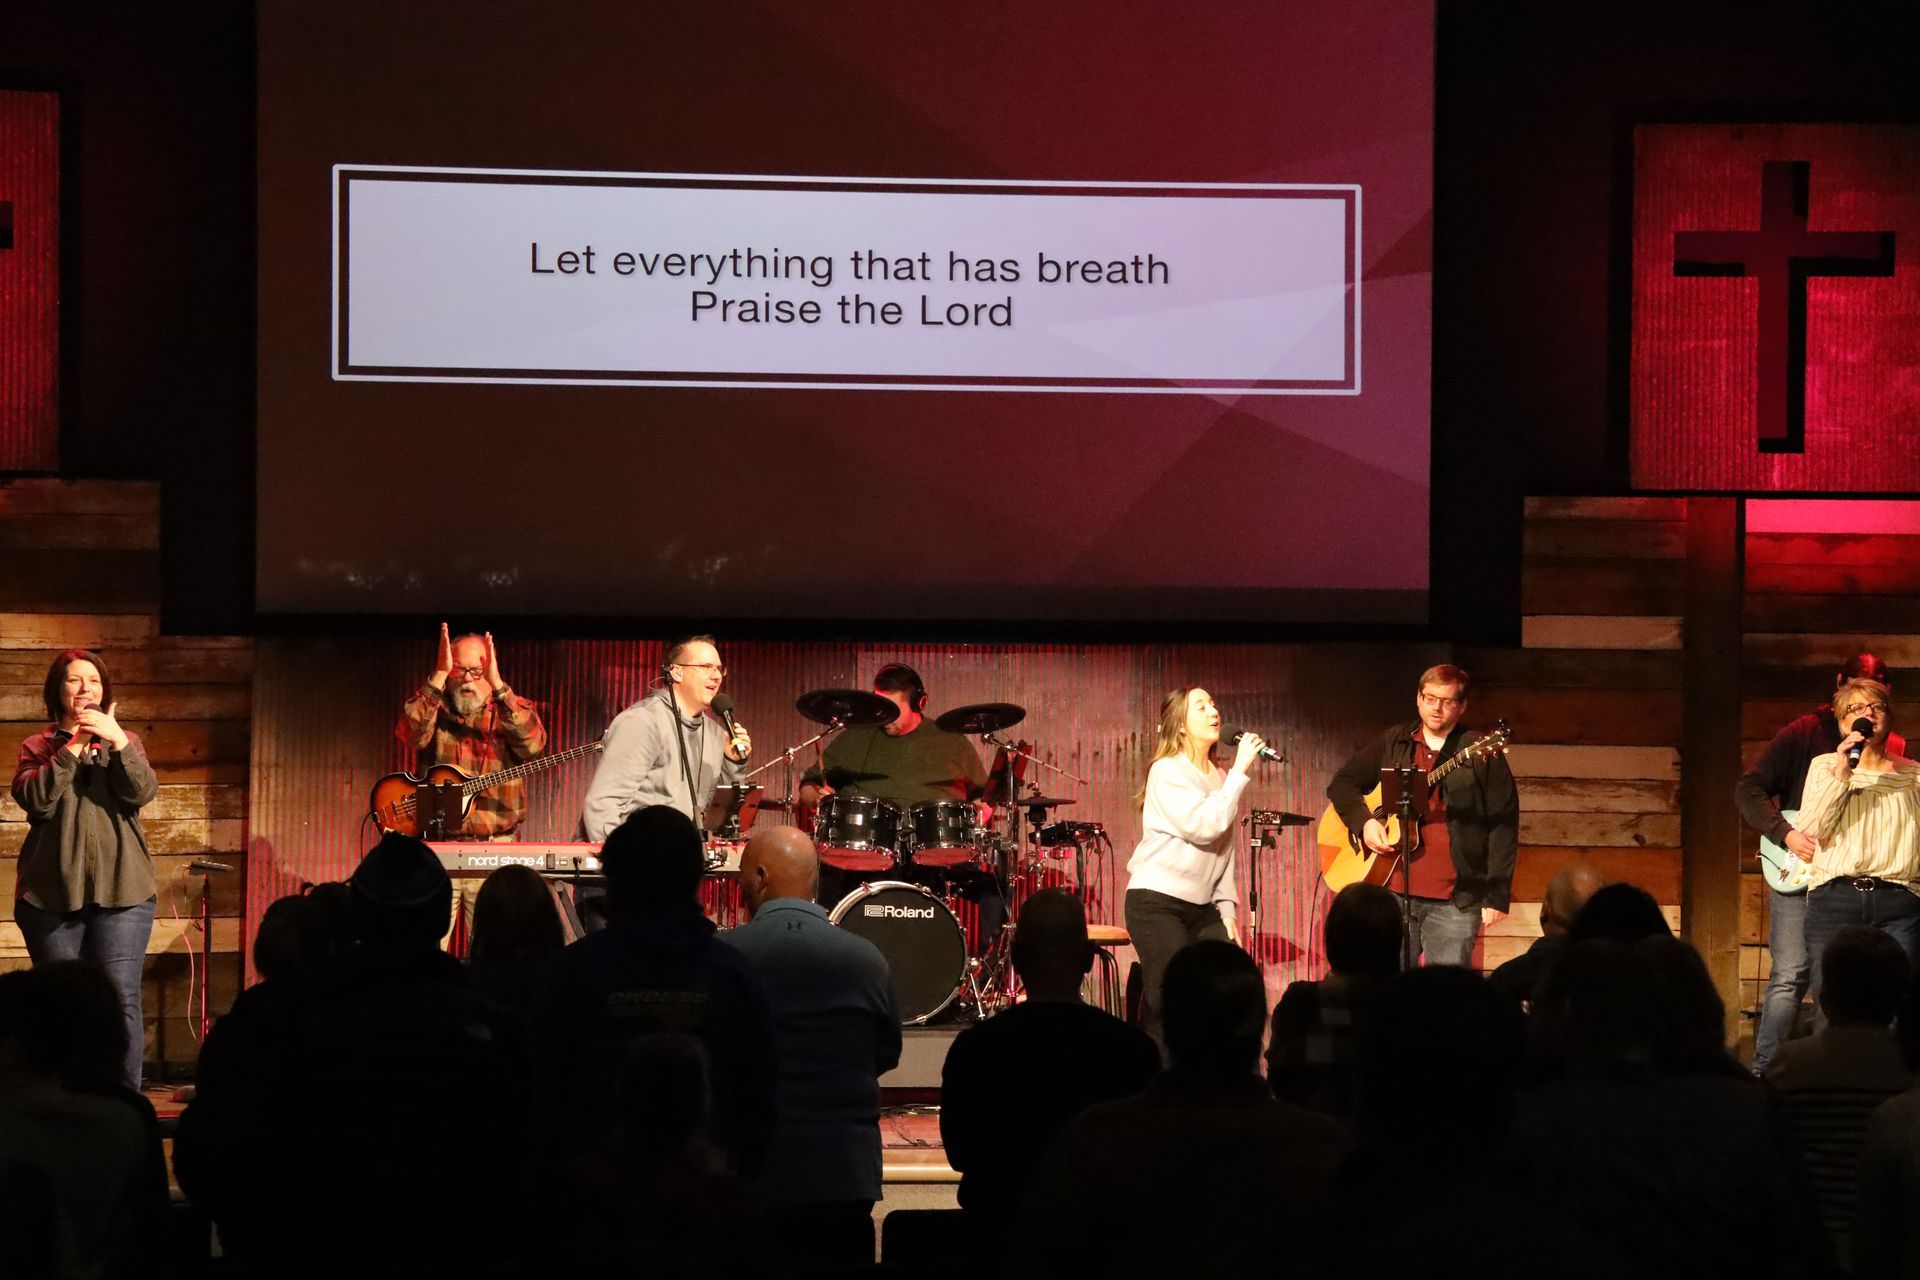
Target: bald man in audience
1567 892
836 1030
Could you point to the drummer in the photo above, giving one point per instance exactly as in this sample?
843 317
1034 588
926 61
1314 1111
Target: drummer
906 762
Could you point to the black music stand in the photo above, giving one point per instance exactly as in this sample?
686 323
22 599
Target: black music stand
732 809
438 807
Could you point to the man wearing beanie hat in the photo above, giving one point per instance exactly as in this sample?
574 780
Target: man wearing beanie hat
400 894
350 1100
656 967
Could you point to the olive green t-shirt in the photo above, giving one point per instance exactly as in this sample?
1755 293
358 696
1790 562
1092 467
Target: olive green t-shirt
927 764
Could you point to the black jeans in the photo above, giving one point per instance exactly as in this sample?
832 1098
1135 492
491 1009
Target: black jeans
1160 926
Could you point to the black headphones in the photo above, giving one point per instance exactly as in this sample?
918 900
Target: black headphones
917 696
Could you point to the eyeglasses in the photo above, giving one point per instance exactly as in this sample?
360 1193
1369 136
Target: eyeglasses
1429 700
718 668
467 673
1866 709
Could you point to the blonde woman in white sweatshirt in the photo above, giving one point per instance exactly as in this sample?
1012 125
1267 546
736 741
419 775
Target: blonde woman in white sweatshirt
1180 885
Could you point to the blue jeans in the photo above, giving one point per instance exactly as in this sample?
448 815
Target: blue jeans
1838 903
112 939
1442 932
1787 981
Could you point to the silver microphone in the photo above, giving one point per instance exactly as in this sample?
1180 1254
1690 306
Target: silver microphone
1232 734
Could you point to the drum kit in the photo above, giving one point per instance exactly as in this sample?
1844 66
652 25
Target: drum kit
917 929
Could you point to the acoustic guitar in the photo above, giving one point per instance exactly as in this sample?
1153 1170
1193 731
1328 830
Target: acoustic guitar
1344 856
395 807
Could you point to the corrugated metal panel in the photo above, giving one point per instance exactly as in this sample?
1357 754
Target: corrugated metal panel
29 281
324 711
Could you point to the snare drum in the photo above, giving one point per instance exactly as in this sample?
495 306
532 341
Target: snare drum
924 945
857 833
945 833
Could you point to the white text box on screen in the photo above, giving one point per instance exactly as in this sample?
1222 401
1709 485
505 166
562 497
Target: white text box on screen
714 280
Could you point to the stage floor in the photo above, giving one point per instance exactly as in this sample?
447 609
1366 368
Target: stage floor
909 1144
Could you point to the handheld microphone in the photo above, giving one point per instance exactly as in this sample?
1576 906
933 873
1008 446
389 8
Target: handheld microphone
1231 735
1864 727
723 707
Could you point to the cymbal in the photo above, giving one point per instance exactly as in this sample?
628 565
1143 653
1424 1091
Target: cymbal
1043 802
848 706
982 717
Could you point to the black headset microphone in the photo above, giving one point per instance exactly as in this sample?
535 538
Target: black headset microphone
1864 727
1232 734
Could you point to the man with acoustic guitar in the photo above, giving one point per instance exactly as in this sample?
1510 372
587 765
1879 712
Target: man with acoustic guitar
1461 875
466 716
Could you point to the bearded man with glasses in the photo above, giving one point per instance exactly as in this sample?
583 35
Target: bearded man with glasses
465 715
1861 806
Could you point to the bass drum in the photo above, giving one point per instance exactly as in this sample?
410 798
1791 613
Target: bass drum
920 938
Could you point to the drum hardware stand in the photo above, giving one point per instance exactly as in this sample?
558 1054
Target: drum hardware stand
991 978
786 758
1015 827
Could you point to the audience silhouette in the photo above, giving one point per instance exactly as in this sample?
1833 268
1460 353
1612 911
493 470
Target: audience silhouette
83 1183
1886 1230
1831 1082
1311 1052
656 967
1568 892
379 1098
836 1031
708 1104
1206 1169
516 935
1013 1082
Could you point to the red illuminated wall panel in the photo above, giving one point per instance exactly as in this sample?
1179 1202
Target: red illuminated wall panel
29 281
1776 308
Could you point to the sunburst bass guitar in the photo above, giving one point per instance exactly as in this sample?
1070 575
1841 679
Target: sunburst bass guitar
395 808
1344 856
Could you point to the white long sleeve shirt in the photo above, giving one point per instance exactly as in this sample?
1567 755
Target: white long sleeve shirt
1868 825
1186 848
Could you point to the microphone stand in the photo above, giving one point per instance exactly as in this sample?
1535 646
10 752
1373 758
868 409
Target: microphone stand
206 868
787 758
1404 805
1016 828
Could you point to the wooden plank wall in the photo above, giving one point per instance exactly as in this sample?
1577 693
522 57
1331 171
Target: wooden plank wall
79 565
1813 600
1594 698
